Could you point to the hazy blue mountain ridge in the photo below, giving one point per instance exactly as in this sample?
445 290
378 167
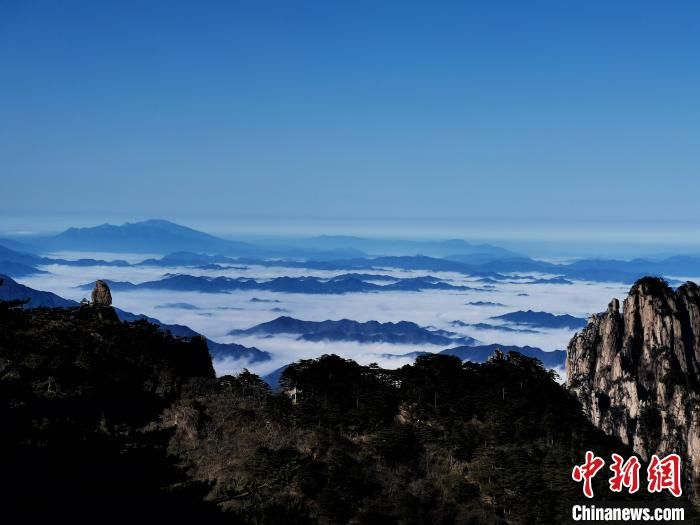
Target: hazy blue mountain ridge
11 290
346 283
189 247
402 332
542 319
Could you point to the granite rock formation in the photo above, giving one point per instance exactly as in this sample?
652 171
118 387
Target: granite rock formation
637 372
101 296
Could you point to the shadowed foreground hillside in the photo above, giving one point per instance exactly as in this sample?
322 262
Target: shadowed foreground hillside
79 392
102 418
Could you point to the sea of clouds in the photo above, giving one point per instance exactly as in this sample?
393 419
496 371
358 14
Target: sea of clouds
216 314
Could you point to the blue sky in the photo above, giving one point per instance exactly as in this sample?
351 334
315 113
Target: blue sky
446 113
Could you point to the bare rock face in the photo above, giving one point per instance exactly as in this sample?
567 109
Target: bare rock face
637 373
101 296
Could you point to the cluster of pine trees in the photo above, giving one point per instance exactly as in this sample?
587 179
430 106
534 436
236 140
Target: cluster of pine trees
107 419
439 441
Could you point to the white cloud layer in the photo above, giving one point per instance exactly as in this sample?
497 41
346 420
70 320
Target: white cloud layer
219 313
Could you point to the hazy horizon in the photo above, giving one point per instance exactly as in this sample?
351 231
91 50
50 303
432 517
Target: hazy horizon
532 238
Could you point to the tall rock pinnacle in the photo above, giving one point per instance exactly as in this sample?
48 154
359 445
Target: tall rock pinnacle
637 373
101 296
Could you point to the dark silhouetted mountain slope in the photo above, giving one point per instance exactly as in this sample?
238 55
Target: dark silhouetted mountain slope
80 401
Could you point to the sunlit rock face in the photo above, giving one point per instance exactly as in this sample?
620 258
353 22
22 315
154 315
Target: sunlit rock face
101 296
637 372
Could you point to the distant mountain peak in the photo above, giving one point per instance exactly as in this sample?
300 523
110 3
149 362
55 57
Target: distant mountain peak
149 236
157 222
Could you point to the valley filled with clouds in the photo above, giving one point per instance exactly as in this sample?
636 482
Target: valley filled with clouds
263 306
467 308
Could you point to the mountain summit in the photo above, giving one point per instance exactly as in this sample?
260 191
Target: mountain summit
139 237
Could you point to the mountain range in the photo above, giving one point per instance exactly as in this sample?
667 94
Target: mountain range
492 271
452 248
585 270
403 332
189 247
497 327
345 283
21 263
542 320
162 236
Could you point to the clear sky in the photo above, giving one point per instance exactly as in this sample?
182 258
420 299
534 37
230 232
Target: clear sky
576 112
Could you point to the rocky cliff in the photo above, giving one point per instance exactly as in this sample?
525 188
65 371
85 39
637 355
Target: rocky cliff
637 372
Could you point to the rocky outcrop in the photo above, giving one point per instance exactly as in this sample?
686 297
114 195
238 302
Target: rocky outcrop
637 372
101 296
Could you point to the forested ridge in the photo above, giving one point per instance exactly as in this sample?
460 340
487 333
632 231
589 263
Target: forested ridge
103 418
